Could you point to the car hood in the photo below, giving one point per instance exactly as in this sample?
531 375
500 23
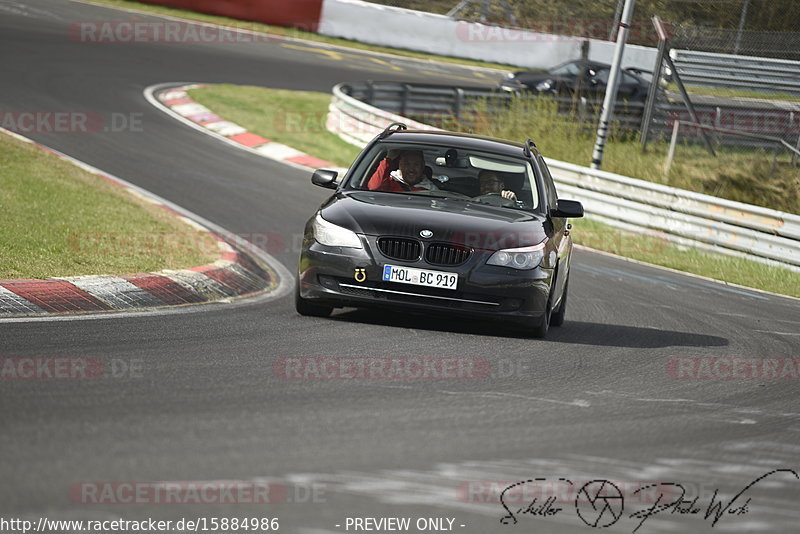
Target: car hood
472 224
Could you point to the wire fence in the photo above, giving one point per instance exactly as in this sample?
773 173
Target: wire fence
772 44
743 87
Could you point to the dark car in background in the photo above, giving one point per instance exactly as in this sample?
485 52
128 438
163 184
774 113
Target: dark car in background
452 249
587 78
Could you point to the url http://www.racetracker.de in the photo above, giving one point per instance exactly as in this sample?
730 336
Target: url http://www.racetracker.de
198 524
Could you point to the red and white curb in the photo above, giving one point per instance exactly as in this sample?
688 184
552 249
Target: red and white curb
239 272
177 102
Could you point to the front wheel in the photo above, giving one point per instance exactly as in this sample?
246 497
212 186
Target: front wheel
538 327
557 319
309 309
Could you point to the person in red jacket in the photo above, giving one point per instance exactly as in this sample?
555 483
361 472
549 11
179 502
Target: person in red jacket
403 173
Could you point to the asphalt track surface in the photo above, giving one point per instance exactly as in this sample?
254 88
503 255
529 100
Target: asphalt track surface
592 401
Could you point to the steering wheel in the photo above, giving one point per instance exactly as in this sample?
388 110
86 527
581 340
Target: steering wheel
496 199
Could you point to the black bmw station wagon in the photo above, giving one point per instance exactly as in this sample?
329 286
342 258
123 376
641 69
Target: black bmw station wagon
441 222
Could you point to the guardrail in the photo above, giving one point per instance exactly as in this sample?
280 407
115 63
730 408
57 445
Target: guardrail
680 216
740 72
437 101
431 103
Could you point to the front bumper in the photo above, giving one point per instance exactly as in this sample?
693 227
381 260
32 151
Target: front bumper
327 275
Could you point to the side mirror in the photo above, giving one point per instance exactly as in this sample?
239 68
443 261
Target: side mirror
567 209
325 178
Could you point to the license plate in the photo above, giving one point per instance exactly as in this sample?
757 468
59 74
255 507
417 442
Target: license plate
419 277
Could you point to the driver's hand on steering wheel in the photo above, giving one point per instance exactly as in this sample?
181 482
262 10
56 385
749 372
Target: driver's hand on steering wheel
510 195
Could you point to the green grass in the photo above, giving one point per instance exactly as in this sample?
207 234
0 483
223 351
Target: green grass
651 249
59 220
259 110
744 176
295 118
290 32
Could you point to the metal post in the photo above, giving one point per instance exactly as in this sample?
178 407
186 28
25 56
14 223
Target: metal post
797 146
611 89
459 8
741 27
485 11
671 154
579 80
582 113
509 13
370 92
613 31
459 102
688 102
652 94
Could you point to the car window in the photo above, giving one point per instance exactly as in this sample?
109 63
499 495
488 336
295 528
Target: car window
567 69
450 173
627 78
602 75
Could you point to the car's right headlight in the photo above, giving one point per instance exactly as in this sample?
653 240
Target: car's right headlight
522 258
331 235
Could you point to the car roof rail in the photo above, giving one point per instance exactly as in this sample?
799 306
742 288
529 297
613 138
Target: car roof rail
529 148
397 127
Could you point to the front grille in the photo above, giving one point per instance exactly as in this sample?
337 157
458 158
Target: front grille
446 254
399 248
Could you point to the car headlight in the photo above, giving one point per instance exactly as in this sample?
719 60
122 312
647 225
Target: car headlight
544 86
331 235
522 258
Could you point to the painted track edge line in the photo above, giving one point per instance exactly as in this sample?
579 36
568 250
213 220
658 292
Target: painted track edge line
684 273
299 39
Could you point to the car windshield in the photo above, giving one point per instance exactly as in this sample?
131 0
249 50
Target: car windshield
447 172
567 69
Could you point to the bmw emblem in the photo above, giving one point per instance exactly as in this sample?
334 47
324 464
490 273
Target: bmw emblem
426 234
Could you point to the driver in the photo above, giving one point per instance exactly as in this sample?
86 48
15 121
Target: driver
403 173
491 183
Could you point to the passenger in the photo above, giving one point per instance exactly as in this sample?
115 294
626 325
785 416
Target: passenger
403 173
491 183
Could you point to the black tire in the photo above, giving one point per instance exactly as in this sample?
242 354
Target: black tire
557 318
308 309
540 330
538 327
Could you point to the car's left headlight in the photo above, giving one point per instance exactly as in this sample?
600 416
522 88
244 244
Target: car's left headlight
522 258
331 235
